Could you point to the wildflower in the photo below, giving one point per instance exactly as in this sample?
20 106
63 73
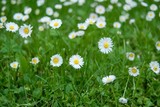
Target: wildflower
158 45
14 65
3 19
105 45
25 30
101 24
100 9
49 11
76 61
133 71
108 79
154 65
56 60
11 26
56 23
130 56
35 61
116 25
82 26
18 16
90 21
72 35
123 100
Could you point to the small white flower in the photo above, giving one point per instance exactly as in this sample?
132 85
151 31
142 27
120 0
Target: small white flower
101 24
18 16
25 17
14 65
25 30
108 79
76 61
49 11
133 71
130 56
3 19
40 2
101 18
155 67
158 45
153 7
82 26
56 23
35 60
58 6
56 14
1 25
100 9
150 15
72 35
116 25
90 21
80 33
144 4
105 45
93 16
41 28
11 26
27 10
123 100
56 60
131 21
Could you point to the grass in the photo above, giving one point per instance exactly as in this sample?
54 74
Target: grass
44 85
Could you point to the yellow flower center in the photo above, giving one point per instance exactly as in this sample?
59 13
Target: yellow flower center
101 25
56 24
158 44
76 61
14 65
155 68
81 27
106 44
134 70
34 61
11 27
150 14
26 30
55 60
131 55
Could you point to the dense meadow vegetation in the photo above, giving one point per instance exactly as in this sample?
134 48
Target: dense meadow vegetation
79 53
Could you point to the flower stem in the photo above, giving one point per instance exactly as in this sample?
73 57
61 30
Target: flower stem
126 87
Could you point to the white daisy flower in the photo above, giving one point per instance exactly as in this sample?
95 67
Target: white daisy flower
25 17
150 15
35 60
3 19
49 11
1 25
76 61
82 26
56 23
18 16
144 4
130 56
127 7
45 19
101 24
14 65
56 60
133 71
153 7
93 16
123 100
40 2
41 28
11 26
90 21
108 79
116 25
158 45
80 33
56 14
27 10
101 18
155 67
105 45
72 35
100 9
58 6
131 21
25 30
